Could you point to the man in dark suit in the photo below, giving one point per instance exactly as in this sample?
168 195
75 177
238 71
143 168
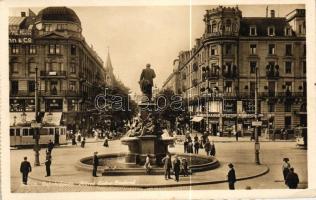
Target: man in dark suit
231 177
95 164
146 81
50 146
25 168
176 168
292 179
48 163
167 166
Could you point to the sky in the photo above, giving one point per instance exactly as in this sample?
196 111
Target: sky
137 35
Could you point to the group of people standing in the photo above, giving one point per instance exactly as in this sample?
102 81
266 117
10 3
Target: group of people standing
178 167
196 144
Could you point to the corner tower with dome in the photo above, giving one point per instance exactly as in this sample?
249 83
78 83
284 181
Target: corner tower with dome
70 72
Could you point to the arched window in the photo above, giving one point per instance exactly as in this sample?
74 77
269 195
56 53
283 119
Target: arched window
228 25
214 28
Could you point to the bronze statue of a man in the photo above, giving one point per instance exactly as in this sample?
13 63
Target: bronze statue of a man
146 81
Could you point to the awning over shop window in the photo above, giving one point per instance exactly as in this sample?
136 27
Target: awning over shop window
52 118
20 118
196 119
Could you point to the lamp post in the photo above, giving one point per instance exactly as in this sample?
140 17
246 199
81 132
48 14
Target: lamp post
36 131
257 144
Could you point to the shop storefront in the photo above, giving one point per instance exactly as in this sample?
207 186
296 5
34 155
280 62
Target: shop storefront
54 105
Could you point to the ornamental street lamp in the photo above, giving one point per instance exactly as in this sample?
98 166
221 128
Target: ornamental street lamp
257 144
36 131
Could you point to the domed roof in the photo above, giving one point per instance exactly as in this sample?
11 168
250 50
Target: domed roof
58 14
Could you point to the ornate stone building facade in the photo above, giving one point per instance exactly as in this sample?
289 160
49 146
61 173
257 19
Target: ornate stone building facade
218 75
69 72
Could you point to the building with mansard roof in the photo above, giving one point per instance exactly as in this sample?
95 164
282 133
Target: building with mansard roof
218 75
50 45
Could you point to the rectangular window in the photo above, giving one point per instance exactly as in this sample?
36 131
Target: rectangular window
287 121
228 49
271 31
228 86
253 31
14 87
15 67
253 49
287 107
253 65
47 27
15 49
57 49
54 49
73 50
271 49
12 132
288 67
25 132
31 86
72 68
288 31
252 88
32 49
288 49
72 85
53 87
304 50
213 51
288 86
32 67
300 29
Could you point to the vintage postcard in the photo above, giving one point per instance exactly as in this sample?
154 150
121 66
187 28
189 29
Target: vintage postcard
157 99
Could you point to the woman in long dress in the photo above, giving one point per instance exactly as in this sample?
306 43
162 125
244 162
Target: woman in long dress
147 165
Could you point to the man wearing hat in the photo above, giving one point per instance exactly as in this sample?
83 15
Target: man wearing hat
146 81
176 168
231 176
95 164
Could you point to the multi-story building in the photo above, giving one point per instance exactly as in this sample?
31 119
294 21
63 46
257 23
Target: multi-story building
218 75
51 47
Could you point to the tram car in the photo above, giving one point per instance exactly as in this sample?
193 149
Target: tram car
24 135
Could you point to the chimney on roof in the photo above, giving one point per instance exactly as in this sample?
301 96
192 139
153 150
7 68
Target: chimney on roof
23 14
272 12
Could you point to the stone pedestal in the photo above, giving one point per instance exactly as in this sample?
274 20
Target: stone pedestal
152 145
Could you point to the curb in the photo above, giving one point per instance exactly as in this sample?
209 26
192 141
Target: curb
142 186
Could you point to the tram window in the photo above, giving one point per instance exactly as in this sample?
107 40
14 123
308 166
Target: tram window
12 132
25 132
31 131
57 131
17 132
51 131
44 131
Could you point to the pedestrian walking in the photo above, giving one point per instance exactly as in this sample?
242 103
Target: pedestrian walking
50 146
231 177
25 169
237 135
79 136
196 138
196 147
106 142
207 146
147 164
185 145
285 167
95 164
48 163
292 179
212 149
73 139
83 142
184 167
176 168
190 146
167 166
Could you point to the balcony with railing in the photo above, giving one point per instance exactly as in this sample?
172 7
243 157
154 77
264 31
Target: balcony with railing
21 93
272 72
53 74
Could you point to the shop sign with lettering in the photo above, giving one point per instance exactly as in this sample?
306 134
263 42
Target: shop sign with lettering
21 36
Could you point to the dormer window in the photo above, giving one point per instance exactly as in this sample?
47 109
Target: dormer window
253 31
288 31
271 31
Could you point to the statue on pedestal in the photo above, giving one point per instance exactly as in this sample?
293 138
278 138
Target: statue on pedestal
146 81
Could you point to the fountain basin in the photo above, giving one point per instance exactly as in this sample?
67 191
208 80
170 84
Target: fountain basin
114 164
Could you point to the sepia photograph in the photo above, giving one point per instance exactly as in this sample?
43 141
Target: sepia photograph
147 98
